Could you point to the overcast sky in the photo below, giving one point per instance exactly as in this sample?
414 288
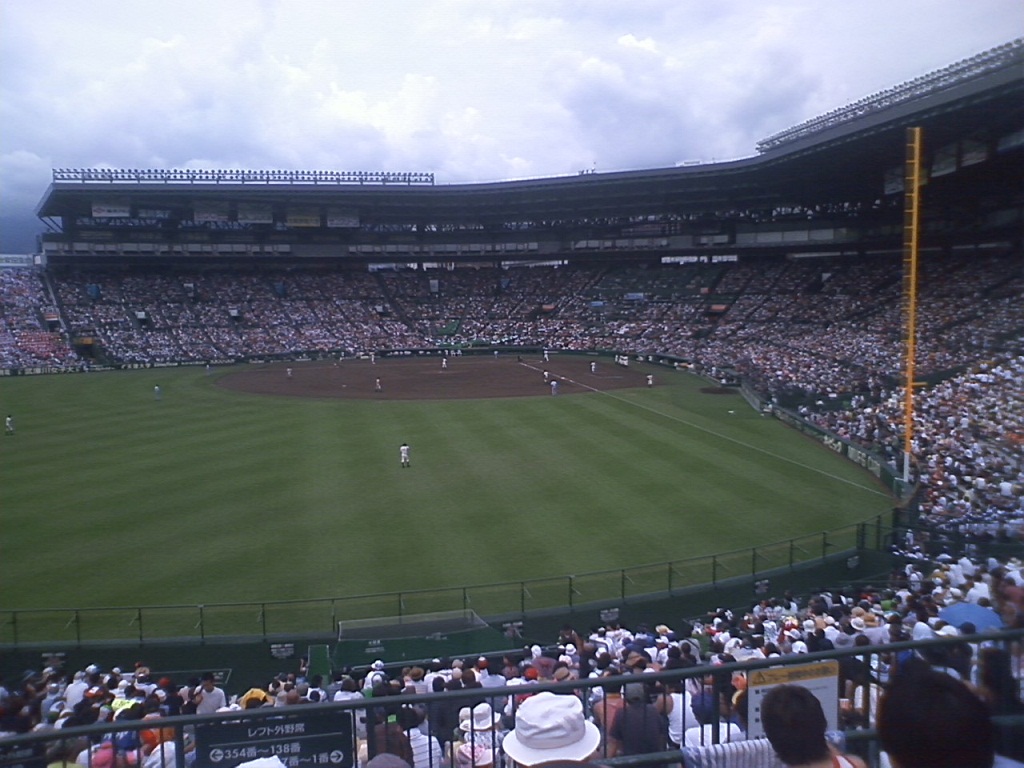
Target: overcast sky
471 90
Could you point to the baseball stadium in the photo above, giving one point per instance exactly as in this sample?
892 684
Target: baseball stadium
264 420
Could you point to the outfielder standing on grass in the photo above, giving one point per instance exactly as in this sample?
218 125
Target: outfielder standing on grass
403 452
9 425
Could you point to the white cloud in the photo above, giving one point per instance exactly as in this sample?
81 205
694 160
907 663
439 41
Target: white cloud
471 91
630 41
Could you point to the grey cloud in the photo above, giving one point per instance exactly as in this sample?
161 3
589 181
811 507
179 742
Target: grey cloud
471 91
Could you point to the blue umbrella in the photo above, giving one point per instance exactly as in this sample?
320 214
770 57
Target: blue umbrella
982 618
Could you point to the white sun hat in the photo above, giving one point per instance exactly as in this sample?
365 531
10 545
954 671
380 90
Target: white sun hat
550 727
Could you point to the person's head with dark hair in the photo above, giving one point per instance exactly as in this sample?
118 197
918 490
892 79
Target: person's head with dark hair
928 719
705 708
936 656
674 659
795 725
638 660
133 712
897 632
381 693
685 662
410 717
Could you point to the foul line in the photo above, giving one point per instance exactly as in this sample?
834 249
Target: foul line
679 420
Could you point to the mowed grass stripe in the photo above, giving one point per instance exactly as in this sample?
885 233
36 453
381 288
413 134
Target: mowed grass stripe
744 429
510 472
687 488
234 497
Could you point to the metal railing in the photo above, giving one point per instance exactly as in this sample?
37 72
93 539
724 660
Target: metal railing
505 600
344 726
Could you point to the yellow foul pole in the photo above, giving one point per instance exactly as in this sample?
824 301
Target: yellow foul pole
911 230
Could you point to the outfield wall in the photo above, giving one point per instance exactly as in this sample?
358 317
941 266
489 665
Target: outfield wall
254 659
269 619
872 462
869 460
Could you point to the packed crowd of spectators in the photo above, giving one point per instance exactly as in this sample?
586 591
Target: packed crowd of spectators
968 438
945 599
26 341
826 337
792 326
199 317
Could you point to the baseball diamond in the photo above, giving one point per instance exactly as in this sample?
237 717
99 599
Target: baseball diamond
421 378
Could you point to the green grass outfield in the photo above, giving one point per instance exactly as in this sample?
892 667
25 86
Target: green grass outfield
109 498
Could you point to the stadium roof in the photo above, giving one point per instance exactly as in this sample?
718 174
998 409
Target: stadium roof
821 161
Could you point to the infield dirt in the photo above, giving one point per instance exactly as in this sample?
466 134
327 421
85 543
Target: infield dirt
424 378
